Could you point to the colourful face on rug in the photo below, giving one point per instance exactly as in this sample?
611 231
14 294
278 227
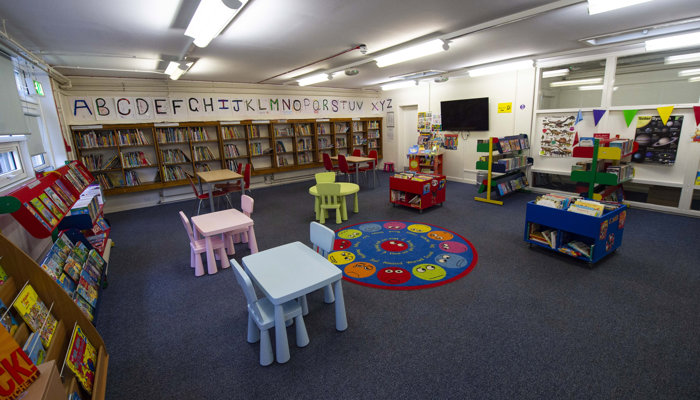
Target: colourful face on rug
341 257
429 272
419 228
394 245
394 225
393 275
341 244
360 269
400 255
350 234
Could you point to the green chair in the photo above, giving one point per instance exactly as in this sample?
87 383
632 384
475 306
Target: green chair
325 177
329 197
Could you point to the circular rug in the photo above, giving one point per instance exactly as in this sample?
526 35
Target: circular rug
399 255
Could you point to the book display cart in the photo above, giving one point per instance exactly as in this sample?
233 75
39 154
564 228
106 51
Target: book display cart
427 163
56 317
510 163
137 157
609 167
417 190
600 235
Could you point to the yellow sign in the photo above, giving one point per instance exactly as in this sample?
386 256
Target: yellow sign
505 108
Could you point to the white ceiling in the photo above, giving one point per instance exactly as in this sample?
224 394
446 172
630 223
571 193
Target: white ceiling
136 38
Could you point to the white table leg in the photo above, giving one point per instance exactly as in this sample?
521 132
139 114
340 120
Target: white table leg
211 261
341 320
281 343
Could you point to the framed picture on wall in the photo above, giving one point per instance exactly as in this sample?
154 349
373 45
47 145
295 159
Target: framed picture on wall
390 119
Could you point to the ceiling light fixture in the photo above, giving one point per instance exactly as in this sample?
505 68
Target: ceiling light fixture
411 53
441 79
176 68
601 6
694 79
594 87
689 72
310 80
210 18
577 82
399 85
673 42
555 73
682 58
495 69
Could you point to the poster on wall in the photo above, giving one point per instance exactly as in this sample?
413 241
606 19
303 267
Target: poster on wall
658 142
557 137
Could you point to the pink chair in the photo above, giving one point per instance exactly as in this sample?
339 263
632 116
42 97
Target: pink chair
197 247
247 204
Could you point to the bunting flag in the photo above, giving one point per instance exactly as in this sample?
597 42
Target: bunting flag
697 114
597 115
629 116
579 117
576 138
664 113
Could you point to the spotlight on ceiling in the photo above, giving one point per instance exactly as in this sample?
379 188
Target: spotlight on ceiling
352 71
441 79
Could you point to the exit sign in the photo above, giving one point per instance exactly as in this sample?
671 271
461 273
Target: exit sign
39 88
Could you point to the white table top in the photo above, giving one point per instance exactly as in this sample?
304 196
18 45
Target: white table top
218 175
290 271
221 222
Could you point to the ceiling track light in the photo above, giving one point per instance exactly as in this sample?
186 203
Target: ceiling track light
210 18
412 52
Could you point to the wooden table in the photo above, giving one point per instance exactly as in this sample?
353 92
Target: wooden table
358 160
346 189
219 175
288 272
220 222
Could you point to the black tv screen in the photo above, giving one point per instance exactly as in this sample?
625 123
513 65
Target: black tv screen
465 114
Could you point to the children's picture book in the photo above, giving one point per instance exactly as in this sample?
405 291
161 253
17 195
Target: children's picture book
80 252
17 378
52 221
34 349
51 205
81 358
3 274
61 189
66 283
73 268
85 307
56 199
53 263
92 272
87 289
8 320
64 243
35 313
37 216
96 260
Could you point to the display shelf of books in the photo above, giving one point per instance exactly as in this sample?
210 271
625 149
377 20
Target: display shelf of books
582 228
284 149
374 136
428 162
341 136
324 138
204 146
234 139
173 142
304 142
417 190
609 165
358 135
41 316
506 158
261 150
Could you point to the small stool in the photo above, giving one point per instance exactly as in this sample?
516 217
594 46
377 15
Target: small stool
388 166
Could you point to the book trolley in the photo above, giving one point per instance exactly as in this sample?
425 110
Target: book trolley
602 234
417 191
509 163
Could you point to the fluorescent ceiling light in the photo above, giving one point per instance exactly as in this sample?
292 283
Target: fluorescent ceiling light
398 85
495 69
689 72
410 53
673 42
555 73
694 79
176 69
310 80
682 58
594 87
210 18
577 82
601 6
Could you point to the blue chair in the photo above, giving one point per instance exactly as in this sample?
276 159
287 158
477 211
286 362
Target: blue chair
323 239
262 313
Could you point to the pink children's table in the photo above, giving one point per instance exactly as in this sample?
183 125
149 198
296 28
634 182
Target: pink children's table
223 222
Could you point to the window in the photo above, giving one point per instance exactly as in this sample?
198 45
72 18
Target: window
571 86
38 160
11 168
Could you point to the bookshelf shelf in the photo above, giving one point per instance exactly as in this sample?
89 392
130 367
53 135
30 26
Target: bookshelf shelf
509 161
613 172
418 191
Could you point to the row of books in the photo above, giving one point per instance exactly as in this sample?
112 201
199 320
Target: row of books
358 126
341 127
283 131
340 142
303 130
97 162
513 143
233 132
172 135
131 178
550 237
173 173
231 150
324 143
513 162
373 125
51 205
554 200
404 197
202 167
587 207
108 181
202 153
512 185
280 147
132 138
96 139
623 172
255 131
256 149
134 159
282 161
198 134
171 156
413 176
303 144
232 165
304 158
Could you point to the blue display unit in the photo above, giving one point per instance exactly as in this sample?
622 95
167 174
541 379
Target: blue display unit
603 234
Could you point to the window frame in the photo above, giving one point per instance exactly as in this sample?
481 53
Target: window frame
15 143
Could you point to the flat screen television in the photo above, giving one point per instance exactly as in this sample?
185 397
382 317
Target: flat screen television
465 114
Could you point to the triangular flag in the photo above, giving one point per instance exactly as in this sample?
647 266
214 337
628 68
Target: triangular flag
597 115
697 114
579 117
629 116
664 113
575 139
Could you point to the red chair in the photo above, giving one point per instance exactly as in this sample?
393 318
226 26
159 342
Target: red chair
372 165
328 163
345 168
357 153
205 196
236 187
